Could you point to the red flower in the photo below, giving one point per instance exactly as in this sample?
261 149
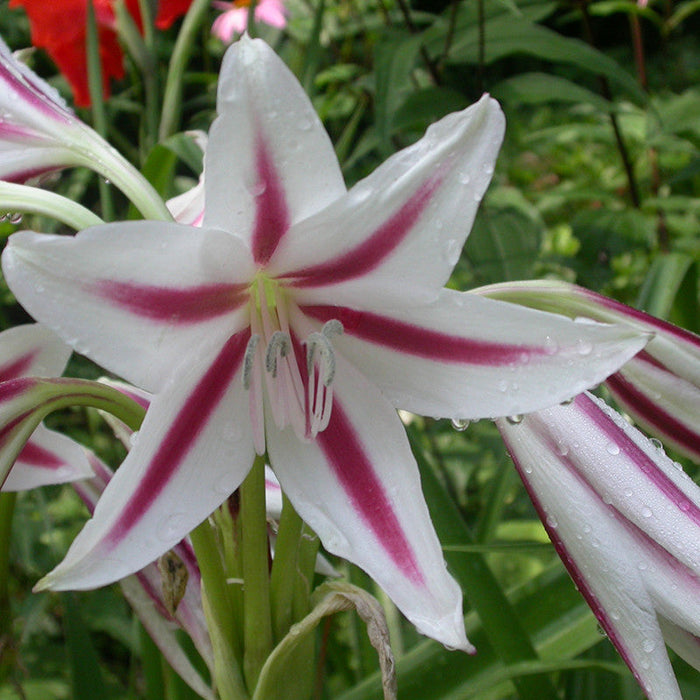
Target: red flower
59 27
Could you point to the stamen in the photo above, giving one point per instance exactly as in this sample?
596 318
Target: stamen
332 327
281 342
321 343
248 360
321 367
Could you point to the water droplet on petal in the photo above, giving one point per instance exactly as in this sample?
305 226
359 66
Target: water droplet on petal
460 424
612 448
646 512
15 218
649 645
515 419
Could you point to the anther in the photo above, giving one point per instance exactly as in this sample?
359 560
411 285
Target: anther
332 327
248 360
321 343
279 342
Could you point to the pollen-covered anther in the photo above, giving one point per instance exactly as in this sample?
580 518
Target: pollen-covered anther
280 345
249 359
321 367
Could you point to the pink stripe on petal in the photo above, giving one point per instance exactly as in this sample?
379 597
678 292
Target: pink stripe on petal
15 369
651 414
415 340
37 456
643 462
182 435
170 304
271 213
370 253
14 387
569 562
353 469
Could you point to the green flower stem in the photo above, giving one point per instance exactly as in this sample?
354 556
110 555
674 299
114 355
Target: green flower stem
32 200
65 393
99 116
228 523
284 564
219 610
257 622
104 159
172 99
306 566
7 509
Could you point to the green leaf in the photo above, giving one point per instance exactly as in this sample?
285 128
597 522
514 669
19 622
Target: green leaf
538 88
394 59
503 245
509 36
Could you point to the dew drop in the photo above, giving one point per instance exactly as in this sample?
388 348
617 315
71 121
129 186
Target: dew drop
515 419
15 218
584 347
460 424
464 177
552 522
612 448
646 512
656 443
648 645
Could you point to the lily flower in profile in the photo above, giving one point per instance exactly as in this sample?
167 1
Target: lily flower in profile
294 322
40 134
660 386
625 521
44 456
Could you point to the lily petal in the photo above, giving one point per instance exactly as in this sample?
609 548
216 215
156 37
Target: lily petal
188 457
263 180
31 350
399 232
357 486
47 458
146 324
626 522
463 356
660 387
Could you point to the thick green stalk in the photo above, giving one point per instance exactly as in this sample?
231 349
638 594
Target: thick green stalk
284 565
257 620
221 620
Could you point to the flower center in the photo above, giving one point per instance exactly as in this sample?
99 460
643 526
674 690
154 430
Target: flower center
299 389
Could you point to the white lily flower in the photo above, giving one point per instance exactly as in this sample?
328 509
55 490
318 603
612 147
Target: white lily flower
45 456
295 322
625 521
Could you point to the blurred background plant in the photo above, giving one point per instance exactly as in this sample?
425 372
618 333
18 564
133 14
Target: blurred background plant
598 183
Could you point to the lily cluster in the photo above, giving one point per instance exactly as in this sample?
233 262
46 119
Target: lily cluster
283 317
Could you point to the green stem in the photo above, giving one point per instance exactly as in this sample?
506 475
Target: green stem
95 86
172 99
257 622
7 509
32 200
219 611
285 564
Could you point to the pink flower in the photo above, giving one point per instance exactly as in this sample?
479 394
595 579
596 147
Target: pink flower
235 17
